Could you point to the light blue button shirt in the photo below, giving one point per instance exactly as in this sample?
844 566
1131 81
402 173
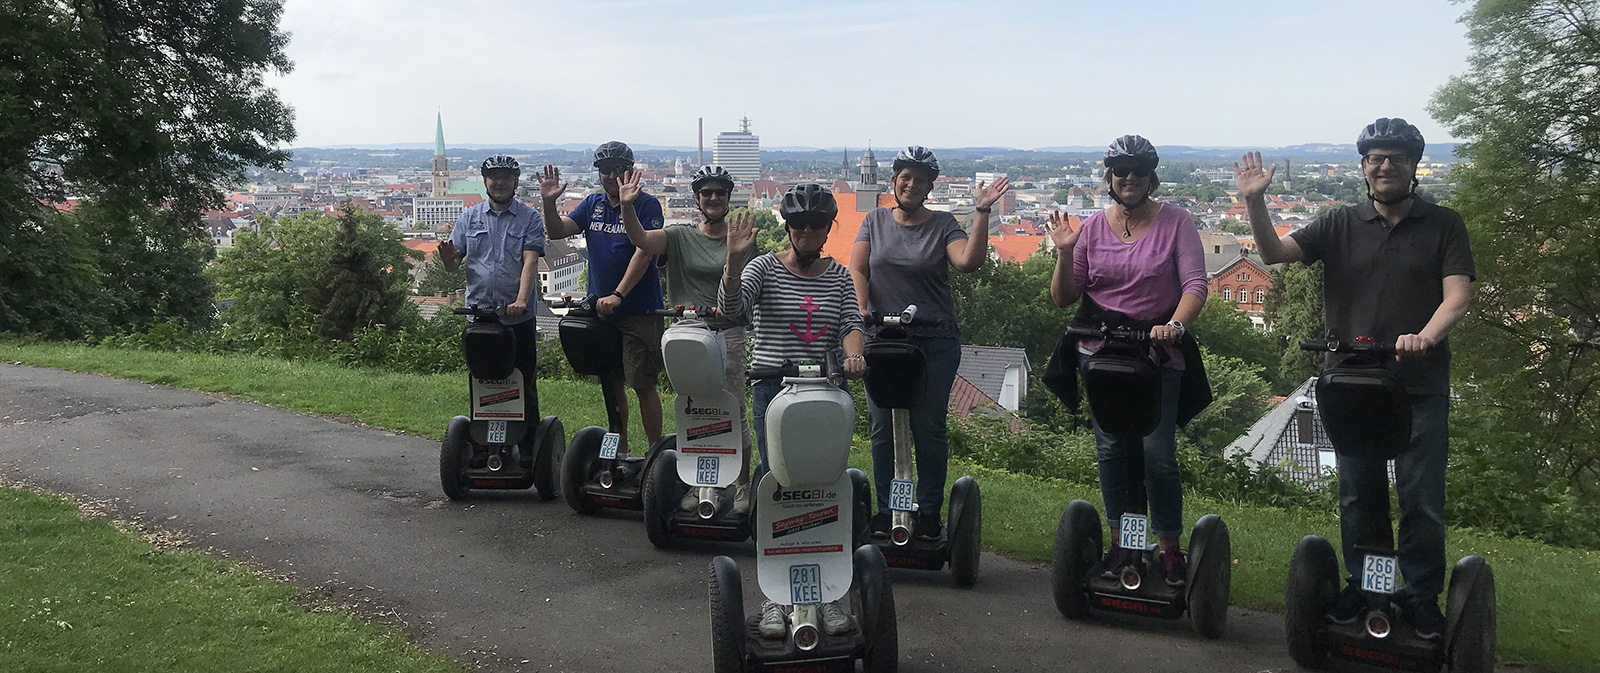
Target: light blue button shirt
491 245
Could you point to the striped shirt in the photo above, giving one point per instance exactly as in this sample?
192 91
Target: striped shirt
796 318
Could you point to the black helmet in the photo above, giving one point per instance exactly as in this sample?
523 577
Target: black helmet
1134 150
1394 133
919 156
711 174
808 197
500 162
613 151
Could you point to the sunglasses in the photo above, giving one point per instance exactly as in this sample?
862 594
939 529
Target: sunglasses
810 223
1123 171
613 170
1375 160
713 193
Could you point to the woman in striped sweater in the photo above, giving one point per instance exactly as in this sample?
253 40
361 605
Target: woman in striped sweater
804 306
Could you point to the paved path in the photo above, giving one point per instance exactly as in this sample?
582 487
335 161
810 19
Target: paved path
507 579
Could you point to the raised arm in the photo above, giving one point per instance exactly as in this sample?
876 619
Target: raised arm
652 241
1064 290
741 283
1252 182
969 255
551 188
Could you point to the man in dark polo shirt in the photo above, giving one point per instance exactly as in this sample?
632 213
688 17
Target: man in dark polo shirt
1394 269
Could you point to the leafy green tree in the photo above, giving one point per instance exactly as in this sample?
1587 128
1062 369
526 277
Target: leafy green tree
1294 311
1227 332
436 278
1008 304
151 266
1063 195
1527 357
365 279
1233 226
1238 399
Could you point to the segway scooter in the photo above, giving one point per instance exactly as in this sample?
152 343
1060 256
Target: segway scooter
707 453
486 450
810 549
896 379
592 476
1124 391
1363 405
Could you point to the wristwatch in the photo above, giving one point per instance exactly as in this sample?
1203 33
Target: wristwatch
985 210
1178 326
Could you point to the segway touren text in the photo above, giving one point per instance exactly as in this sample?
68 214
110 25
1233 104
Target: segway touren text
491 448
810 549
1124 390
707 453
896 379
1365 408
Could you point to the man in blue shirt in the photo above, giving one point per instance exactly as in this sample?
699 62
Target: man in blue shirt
623 278
501 241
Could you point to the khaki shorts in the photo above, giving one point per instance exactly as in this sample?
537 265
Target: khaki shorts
641 349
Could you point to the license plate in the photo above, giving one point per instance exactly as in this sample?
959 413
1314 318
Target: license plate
901 495
1378 574
608 446
805 583
1134 532
497 432
706 468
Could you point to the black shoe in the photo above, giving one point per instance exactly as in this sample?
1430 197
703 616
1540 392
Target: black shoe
1423 615
929 528
1111 564
1349 607
880 525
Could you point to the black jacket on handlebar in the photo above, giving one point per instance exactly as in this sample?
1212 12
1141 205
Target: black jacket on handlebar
1061 374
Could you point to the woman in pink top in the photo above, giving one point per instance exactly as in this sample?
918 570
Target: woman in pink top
1142 262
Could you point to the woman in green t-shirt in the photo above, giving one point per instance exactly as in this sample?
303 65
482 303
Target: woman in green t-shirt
695 258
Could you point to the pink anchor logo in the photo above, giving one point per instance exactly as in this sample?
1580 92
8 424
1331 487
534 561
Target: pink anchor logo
809 336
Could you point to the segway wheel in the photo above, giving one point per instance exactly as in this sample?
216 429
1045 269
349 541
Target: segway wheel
727 617
877 613
552 440
860 507
1470 609
1312 587
453 451
966 531
1210 576
1077 548
577 465
661 493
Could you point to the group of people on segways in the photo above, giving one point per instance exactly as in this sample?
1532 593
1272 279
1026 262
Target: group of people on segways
1396 270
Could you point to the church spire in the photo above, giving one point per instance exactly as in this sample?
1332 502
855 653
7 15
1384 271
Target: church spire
438 137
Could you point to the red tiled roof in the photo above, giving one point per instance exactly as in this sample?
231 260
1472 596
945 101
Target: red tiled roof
1014 248
428 248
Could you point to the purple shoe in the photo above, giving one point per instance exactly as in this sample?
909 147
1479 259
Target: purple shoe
1174 567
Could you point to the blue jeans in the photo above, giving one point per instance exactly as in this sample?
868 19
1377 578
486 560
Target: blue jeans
1419 477
929 429
1133 469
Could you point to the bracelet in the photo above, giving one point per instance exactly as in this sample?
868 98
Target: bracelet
618 295
985 210
856 356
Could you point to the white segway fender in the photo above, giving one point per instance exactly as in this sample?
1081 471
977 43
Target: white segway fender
710 439
803 547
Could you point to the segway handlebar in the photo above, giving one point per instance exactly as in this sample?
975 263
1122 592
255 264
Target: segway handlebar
1125 334
690 312
480 311
1376 349
829 369
901 319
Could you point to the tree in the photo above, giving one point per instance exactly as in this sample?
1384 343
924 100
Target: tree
1062 196
1227 332
771 236
1294 311
365 279
1008 304
436 278
1527 357
1233 226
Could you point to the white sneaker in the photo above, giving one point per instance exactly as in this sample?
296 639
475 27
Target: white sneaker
741 499
690 500
774 623
834 619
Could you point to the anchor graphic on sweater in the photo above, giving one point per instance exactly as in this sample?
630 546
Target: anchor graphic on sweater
809 336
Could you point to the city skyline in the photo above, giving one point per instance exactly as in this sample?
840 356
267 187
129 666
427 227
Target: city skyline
1020 74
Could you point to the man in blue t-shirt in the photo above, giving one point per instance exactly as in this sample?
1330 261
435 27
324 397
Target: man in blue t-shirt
623 279
501 241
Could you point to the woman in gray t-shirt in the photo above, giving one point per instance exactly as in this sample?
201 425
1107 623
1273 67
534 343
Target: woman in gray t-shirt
902 256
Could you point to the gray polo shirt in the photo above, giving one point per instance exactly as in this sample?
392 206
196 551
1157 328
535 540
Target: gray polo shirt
1381 281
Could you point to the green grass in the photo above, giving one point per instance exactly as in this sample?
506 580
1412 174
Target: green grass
1548 597
79 594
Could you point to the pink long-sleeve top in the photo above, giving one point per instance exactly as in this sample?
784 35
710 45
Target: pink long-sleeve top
1144 279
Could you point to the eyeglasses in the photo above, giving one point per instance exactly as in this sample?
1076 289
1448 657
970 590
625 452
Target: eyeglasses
814 224
1123 171
613 170
713 193
1375 160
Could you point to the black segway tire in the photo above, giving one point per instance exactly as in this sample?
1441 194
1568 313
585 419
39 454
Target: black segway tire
661 492
877 618
860 507
577 466
1470 612
1078 539
1210 576
552 439
1312 588
453 451
966 531
727 617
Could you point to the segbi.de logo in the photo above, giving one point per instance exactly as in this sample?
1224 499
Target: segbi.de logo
805 494
691 409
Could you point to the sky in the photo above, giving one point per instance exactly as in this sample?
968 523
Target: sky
827 73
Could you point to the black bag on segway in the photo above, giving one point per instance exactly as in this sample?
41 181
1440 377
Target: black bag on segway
592 345
897 373
1365 408
1124 389
490 349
